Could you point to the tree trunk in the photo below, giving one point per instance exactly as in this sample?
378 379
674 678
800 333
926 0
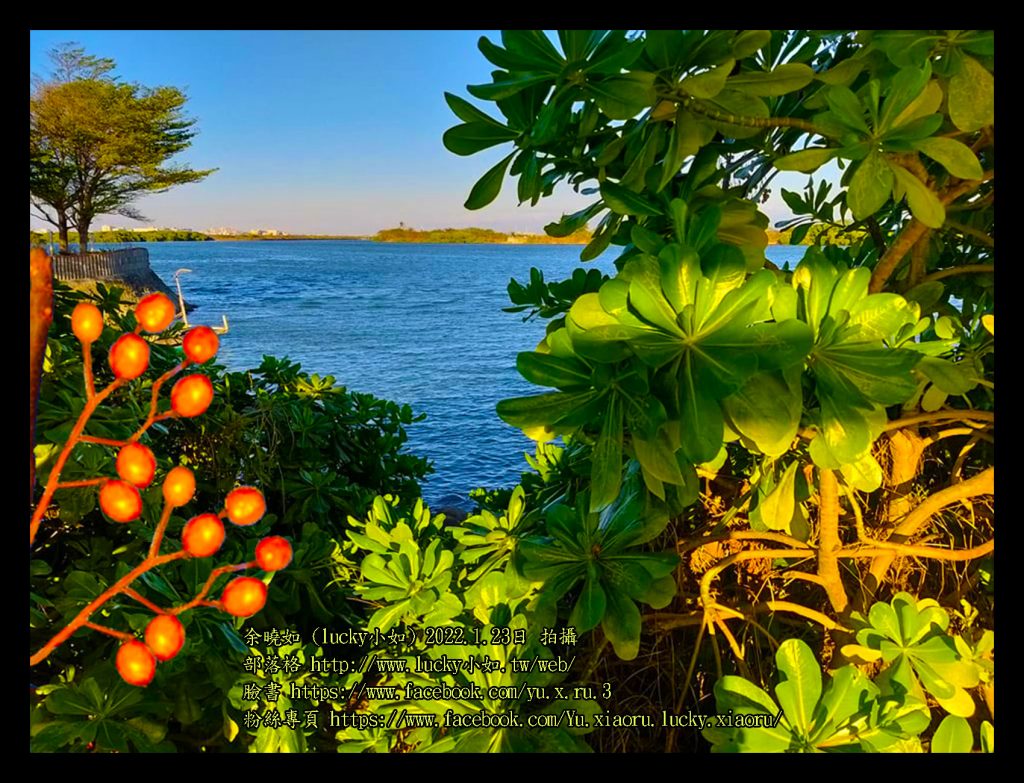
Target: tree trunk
83 236
62 231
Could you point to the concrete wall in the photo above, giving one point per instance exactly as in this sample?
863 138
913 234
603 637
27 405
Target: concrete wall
129 265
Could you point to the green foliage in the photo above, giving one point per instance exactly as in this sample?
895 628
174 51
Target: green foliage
849 714
698 358
320 451
453 594
910 638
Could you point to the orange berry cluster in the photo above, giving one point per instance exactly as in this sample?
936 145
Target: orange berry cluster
129 355
120 500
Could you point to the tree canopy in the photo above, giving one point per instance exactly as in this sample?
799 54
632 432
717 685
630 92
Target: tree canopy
98 144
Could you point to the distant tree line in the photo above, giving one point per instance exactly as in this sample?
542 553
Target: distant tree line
469 236
126 235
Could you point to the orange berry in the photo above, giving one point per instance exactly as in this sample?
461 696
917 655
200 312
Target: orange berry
200 344
154 312
244 596
192 395
135 663
136 464
164 636
129 356
273 553
202 535
86 322
245 505
179 486
120 500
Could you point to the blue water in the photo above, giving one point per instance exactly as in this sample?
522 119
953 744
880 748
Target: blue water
415 323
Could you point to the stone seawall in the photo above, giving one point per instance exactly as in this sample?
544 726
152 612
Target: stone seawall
129 268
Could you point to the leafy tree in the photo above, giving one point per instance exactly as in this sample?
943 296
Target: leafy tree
97 144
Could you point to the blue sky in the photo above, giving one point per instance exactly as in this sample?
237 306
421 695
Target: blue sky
335 132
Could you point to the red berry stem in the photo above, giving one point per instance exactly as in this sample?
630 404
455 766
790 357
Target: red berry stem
214 574
132 593
153 415
109 631
83 616
81 483
103 441
73 438
158 535
90 384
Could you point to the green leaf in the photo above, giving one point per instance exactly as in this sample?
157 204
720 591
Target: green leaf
783 79
777 509
799 687
471 137
971 96
657 458
507 87
987 735
953 736
808 160
767 410
905 87
626 202
614 53
590 607
547 370
606 472
533 44
926 295
601 240
933 399
623 97
951 378
701 422
621 625
847 108
870 186
843 72
467 112
926 103
578 44
516 60
750 42
865 474
923 202
709 83
688 135
541 409
489 185
955 156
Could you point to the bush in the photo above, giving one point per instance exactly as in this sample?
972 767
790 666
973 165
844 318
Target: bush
321 453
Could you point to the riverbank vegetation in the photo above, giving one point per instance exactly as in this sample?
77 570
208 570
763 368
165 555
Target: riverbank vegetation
478 236
126 236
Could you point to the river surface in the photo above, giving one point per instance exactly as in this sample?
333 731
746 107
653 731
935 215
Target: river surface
416 323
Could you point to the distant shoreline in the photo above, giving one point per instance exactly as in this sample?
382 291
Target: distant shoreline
283 237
